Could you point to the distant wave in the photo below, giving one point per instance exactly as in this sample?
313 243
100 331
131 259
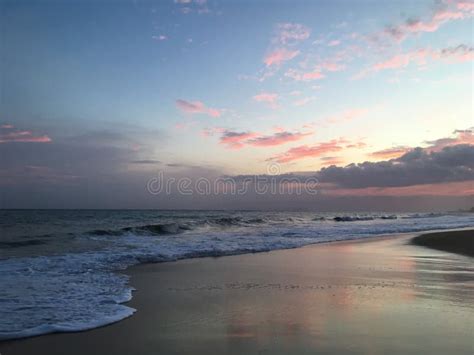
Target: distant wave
176 228
361 218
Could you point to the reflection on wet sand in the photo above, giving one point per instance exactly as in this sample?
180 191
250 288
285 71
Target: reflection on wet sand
390 288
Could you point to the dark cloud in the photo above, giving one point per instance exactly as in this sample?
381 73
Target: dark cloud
419 166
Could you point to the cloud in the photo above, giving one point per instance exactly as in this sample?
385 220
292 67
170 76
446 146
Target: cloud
430 24
286 35
93 156
235 140
402 60
332 66
356 145
279 56
197 107
458 54
465 5
465 136
160 38
304 76
270 98
278 138
9 134
334 43
328 161
450 189
238 140
305 151
418 166
289 33
390 153
316 71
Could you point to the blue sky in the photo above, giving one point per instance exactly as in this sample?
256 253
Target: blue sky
233 85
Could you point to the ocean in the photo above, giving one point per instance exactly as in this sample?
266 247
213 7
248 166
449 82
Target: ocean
60 269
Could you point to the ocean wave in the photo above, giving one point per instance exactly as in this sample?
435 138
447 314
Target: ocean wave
362 218
150 229
177 228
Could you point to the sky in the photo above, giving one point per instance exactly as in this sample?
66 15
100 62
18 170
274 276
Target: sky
373 98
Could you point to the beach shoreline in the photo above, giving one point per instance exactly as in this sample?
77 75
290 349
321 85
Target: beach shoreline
171 298
458 241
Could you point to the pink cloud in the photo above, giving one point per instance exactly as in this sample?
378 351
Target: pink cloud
197 107
279 56
270 98
402 60
306 151
277 139
332 66
10 135
390 153
459 137
235 140
431 23
304 76
334 43
238 140
465 6
328 161
398 61
458 54
415 26
356 145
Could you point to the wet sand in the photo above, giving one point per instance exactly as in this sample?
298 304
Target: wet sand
379 296
461 242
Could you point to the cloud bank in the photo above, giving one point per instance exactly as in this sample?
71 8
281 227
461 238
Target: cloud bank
419 166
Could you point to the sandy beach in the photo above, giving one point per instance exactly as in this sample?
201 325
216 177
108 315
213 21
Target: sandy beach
383 295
